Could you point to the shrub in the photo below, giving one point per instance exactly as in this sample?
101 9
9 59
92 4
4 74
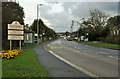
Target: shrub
114 39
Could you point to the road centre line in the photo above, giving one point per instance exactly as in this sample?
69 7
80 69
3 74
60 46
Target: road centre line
103 53
113 57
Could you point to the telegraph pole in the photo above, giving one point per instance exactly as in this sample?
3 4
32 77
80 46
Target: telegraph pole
72 26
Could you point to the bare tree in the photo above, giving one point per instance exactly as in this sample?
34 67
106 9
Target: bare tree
98 18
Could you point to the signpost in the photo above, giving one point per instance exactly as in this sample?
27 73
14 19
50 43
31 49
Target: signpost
15 32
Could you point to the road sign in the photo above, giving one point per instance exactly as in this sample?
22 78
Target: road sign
19 27
13 37
15 31
16 25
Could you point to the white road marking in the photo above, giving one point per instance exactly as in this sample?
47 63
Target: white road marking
75 47
116 58
104 53
75 66
111 56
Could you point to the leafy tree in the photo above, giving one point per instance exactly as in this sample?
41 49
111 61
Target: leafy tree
113 21
11 11
42 28
94 25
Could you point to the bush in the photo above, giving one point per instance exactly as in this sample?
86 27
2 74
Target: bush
114 39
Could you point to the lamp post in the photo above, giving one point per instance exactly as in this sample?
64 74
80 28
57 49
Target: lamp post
38 21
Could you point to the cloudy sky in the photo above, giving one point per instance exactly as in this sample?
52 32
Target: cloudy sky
59 15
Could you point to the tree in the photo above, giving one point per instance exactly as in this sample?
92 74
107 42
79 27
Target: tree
113 21
11 11
94 24
42 28
98 19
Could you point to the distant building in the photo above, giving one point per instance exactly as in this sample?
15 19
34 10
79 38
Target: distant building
116 29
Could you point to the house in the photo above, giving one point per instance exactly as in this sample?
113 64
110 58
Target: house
116 30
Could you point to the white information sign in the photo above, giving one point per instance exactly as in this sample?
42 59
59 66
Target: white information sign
15 31
19 27
15 37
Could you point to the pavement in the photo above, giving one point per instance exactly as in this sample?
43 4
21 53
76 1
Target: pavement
91 60
54 66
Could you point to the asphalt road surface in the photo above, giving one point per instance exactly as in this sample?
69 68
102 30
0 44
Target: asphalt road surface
99 61
54 66
98 50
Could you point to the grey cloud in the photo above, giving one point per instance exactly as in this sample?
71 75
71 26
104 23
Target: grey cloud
62 21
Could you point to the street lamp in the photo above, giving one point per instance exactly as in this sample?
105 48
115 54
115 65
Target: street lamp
38 21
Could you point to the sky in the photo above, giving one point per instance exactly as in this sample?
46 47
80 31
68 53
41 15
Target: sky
58 15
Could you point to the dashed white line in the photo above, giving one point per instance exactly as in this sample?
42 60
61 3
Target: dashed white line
104 53
111 56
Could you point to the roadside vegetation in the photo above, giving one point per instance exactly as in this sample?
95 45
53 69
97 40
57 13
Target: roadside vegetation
101 44
24 65
99 27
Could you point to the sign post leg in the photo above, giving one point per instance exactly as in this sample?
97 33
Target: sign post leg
10 44
20 45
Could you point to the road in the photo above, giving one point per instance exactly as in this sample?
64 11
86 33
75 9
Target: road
100 62
97 50
54 66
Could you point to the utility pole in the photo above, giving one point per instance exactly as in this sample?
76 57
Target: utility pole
77 29
71 30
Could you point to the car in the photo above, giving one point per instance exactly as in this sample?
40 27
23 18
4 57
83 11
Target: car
69 39
76 38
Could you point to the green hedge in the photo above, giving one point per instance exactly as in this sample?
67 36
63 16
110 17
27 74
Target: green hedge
114 39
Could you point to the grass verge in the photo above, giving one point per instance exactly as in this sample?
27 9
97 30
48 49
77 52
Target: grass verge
24 65
103 44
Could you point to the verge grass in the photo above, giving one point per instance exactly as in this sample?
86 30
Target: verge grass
103 44
23 65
